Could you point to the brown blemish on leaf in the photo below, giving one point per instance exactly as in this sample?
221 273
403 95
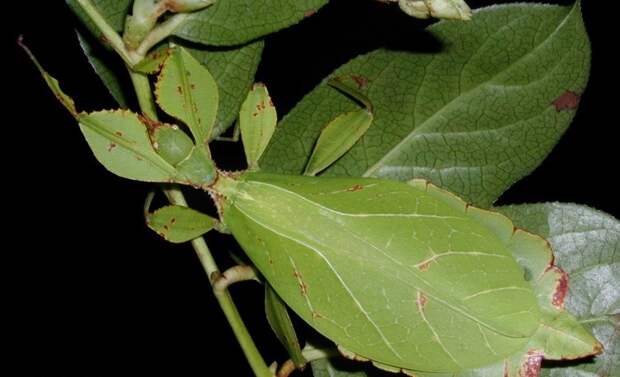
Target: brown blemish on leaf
506 368
173 221
180 90
302 285
424 266
111 147
360 81
531 367
569 100
309 13
560 290
118 133
316 315
355 188
421 300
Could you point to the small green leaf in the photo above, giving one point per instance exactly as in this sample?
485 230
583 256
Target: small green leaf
179 224
172 143
586 245
337 138
121 143
257 121
233 69
109 78
187 91
474 117
154 61
233 22
197 169
282 326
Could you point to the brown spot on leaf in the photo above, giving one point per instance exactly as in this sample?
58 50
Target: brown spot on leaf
355 188
180 90
421 300
316 315
360 81
531 366
560 290
118 133
173 221
309 13
424 266
111 147
569 100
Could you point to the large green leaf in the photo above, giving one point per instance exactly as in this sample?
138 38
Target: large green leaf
586 245
109 78
473 118
233 70
232 22
114 11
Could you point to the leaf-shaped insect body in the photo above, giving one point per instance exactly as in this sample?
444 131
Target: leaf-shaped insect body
384 269
404 275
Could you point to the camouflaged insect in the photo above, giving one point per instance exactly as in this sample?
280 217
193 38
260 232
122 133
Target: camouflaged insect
407 276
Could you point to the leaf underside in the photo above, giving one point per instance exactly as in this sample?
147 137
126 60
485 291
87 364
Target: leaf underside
234 22
473 118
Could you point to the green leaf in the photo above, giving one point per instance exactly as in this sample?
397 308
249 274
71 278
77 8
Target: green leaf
114 11
109 78
179 224
586 245
257 122
187 91
282 326
121 143
233 22
233 69
337 138
473 118
153 62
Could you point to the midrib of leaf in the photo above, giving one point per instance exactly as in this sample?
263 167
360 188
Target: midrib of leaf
189 100
157 162
429 121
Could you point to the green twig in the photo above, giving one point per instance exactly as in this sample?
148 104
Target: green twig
110 35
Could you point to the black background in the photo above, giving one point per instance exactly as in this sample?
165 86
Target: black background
92 292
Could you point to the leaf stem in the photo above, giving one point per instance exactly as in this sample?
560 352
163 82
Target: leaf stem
257 364
142 87
161 32
110 35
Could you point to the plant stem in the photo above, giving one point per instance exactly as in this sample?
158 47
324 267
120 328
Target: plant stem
111 36
161 32
142 87
260 369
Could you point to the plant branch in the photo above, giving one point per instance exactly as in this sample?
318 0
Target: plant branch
110 35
